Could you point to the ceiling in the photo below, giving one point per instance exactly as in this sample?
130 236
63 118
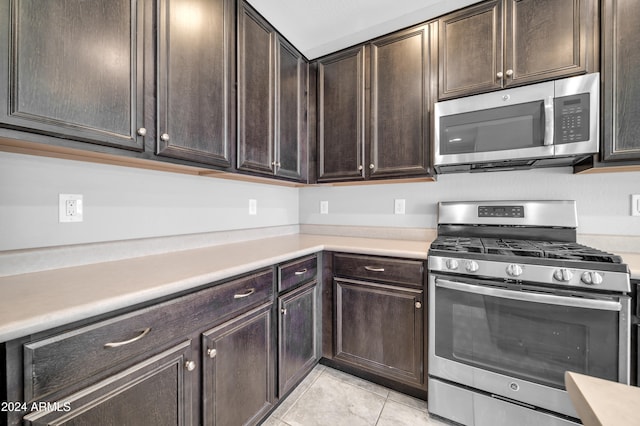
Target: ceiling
319 27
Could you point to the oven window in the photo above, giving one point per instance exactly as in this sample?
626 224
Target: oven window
496 129
533 341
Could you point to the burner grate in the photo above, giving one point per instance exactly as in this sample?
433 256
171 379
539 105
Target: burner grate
524 248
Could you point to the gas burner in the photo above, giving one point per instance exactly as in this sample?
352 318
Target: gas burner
458 244
575 251
511 247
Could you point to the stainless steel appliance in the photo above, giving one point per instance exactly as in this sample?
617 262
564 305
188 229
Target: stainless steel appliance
514 303
544 124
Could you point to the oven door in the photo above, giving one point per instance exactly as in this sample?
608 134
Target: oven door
517 341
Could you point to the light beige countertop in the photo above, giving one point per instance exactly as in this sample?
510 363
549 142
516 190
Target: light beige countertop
37 301
633 260
601 402
34 302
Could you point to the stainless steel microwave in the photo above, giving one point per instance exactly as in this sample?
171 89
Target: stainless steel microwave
553 123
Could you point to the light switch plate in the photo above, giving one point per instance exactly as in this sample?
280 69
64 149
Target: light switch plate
70 208
635 205
399 206
253 207
324 207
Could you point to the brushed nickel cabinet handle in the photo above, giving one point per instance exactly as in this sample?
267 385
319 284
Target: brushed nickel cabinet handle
126 342
283 311
190 365
418 305
142 131
360 167
246 294
509 73
499 74
164 137
373 269
212 353
301 272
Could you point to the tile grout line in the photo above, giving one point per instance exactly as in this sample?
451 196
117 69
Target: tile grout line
299 396
380 414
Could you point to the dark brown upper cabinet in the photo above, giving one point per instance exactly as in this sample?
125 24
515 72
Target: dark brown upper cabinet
504 43
621 81
399 104
340 114
272 79
196 41
73 69
373 108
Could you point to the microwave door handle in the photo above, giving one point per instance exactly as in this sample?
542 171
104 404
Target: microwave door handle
577 302
548 121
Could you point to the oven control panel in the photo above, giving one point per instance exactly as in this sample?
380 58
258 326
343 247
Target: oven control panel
500 211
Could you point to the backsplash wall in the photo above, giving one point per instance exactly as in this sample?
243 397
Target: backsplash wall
122 203
603 199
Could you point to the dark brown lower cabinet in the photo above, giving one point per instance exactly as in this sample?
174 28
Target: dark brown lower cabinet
379 329
156 391
239 369
297 335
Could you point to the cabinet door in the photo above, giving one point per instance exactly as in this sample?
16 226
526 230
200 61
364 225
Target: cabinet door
195 93
73 69
470 53
621 80
290 85
379 328
297 336
341 116
399 139
255 92
157 391
547 39
239 369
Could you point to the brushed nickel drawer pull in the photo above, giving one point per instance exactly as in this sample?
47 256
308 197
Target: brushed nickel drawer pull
373 269
301 272
126 342
243 295
212 353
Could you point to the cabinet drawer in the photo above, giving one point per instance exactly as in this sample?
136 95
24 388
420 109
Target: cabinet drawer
296 272
75 356
384 269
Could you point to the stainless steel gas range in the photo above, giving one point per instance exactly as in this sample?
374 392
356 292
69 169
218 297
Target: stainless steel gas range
514 303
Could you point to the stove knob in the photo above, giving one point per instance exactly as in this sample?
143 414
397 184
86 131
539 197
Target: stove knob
563 275
514 270
451 264
471 266
591 278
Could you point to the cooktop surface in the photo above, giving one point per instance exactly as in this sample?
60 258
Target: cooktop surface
525 248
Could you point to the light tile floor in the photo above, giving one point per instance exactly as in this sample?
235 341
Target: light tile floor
333 398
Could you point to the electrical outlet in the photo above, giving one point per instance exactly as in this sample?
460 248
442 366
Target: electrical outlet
635 205
324 207
253 207
399 206
70 208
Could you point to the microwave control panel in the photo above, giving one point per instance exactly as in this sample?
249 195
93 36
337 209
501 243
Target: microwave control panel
571 118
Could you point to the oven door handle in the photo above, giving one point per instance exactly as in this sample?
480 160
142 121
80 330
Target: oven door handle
602 305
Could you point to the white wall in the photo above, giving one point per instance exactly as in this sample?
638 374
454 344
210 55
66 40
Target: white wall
603 200
125 203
